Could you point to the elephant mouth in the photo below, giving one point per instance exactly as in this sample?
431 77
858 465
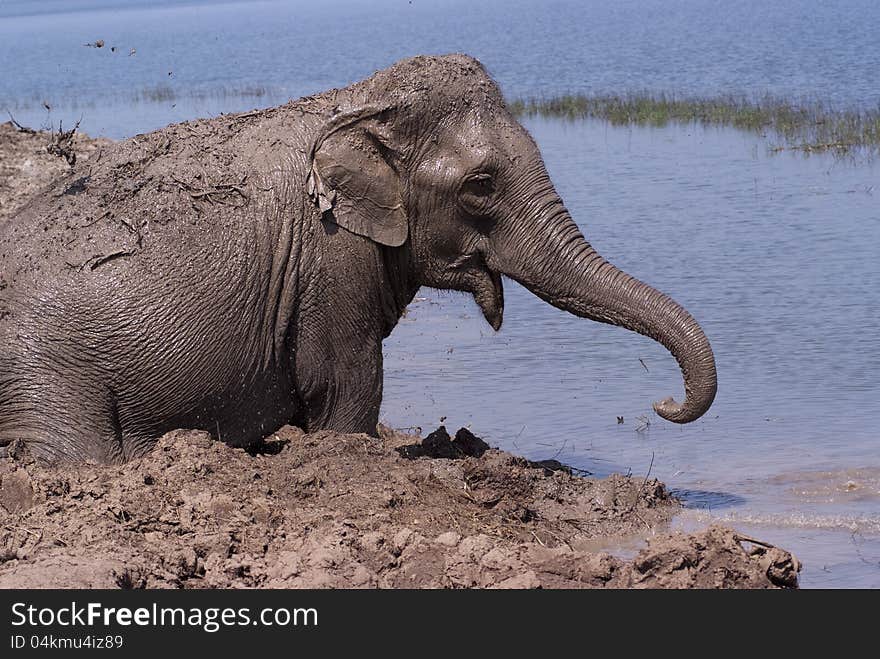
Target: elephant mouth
489 295
470 272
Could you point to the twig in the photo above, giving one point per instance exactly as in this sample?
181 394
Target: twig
859 551
37 533
218 190
62 143
101 260
745 538
19 127
521 431
254 113
560 539
94 221
645 482
561 449
639 493
639 517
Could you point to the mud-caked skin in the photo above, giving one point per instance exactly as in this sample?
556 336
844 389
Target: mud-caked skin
239 273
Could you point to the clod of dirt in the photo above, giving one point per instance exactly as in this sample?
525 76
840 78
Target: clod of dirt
714 558
333 510
16 492
439 445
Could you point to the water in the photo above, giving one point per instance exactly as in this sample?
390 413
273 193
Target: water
793 48
774 255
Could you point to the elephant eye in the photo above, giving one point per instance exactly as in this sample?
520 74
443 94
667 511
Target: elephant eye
480 185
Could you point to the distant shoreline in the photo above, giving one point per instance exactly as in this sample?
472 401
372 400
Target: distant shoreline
808 126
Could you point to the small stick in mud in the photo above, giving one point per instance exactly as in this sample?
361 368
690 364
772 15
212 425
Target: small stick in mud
101 260
647 475
744 538
641 489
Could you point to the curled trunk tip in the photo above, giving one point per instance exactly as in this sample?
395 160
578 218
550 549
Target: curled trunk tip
699 396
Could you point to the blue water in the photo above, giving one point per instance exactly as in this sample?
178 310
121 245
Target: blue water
798 48
775 255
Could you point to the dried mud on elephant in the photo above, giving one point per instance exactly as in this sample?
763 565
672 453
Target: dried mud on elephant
334 510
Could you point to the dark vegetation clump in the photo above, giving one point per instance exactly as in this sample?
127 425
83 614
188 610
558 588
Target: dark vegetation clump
61 144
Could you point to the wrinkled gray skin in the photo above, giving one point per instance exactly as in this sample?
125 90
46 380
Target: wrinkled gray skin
188 277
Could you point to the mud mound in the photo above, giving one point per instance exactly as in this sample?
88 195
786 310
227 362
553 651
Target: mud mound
332 510
30 160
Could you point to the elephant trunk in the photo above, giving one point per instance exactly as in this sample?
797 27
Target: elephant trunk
562 268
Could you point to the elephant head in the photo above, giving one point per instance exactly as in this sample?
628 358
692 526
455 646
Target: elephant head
427 160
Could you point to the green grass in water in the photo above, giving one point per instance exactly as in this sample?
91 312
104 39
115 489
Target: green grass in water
808 127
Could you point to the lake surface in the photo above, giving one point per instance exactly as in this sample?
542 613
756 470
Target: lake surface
776 256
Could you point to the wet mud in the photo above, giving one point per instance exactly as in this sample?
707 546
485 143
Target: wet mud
327 510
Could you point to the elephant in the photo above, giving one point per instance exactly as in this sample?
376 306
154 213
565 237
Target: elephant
239 273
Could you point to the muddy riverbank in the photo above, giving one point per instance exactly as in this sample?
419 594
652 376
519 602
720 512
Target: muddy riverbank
350 511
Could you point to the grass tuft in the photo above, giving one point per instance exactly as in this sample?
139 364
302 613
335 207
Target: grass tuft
165 93
807 126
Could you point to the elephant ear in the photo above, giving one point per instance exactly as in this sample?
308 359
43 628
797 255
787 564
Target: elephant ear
353 178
